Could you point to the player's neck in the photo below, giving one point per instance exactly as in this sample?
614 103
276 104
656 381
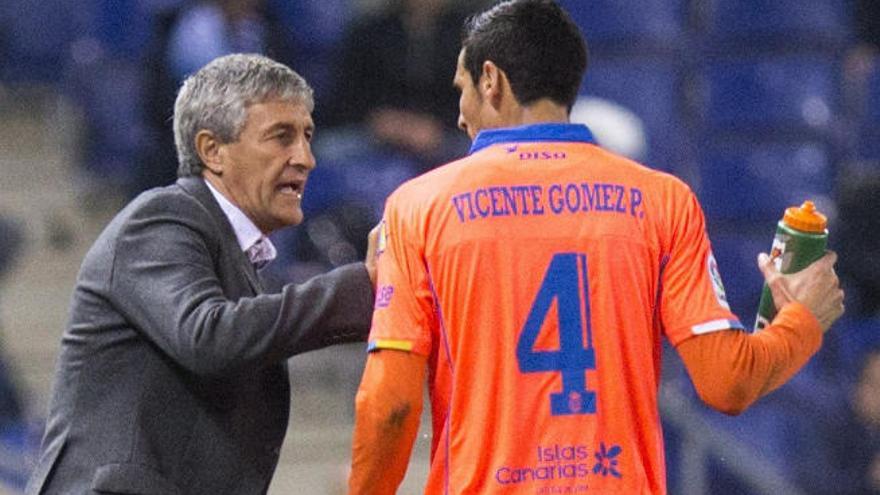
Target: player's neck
542 111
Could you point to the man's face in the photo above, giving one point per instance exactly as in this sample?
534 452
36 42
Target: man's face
470 103
265 170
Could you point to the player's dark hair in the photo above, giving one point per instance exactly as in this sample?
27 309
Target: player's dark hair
535 42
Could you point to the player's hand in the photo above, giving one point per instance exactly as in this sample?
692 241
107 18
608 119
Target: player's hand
816 287
370 259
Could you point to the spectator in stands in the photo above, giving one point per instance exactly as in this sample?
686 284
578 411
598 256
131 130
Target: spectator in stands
857 241
864 54
394 72
186 38
858 197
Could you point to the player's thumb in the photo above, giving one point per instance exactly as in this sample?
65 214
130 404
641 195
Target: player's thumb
775 280
768 268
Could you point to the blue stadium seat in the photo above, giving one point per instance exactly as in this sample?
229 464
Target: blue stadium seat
37 34
868 146
658 23
123 27
772 95
316 28
650 89
315 23
748 181
795 24
155 7
109 91
854 339
42 36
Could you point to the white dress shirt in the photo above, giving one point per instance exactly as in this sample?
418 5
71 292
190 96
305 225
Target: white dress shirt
247 233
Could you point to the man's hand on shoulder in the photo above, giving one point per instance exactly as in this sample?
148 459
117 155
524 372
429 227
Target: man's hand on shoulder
370 259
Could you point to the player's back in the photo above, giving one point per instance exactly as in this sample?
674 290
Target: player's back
543 264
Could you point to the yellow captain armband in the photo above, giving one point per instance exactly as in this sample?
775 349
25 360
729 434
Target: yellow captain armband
397 345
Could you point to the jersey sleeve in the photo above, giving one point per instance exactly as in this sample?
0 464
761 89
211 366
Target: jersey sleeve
693 300
403 316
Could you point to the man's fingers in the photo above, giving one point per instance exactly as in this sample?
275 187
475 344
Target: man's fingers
370 259
768 267
825 263
830 257
775 281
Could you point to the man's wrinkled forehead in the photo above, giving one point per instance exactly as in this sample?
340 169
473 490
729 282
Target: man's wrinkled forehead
296 98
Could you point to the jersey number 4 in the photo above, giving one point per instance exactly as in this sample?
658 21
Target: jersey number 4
566 282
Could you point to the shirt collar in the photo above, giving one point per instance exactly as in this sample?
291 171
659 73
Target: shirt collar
533 133
246 231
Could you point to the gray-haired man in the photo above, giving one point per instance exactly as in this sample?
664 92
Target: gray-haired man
172 375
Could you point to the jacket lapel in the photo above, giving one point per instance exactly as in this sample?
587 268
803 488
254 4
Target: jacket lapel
198 189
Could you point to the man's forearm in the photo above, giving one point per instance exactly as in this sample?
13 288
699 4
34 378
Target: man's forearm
388 407
733 369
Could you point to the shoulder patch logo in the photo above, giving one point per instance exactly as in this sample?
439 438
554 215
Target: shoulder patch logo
717 284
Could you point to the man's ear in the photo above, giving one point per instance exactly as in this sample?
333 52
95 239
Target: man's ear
208 148
492 82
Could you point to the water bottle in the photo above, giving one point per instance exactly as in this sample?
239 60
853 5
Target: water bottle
801 238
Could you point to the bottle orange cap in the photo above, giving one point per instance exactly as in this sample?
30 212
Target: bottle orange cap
806 218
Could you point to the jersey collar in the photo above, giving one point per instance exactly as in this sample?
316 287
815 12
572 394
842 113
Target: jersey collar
533 133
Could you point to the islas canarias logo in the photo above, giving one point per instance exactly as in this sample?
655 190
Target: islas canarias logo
564 464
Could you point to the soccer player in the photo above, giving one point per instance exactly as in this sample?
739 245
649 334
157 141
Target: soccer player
531 283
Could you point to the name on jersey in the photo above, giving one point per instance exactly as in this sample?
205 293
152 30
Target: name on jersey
555 199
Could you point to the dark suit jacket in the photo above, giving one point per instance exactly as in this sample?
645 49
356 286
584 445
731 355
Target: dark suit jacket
172 376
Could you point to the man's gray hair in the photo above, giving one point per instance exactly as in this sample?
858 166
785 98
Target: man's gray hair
216 99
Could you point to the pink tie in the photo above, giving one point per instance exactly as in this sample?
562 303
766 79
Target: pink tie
259 254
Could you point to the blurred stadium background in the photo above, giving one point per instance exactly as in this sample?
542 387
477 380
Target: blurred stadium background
757 104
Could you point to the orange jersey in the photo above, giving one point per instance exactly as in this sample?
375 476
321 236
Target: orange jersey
538 275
